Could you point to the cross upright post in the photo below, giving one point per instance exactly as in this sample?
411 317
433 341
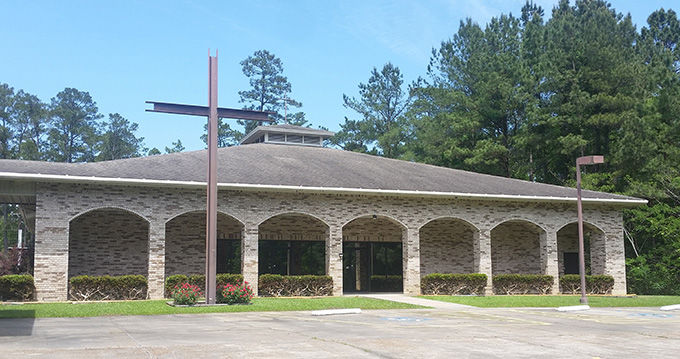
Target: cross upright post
213 113
211 205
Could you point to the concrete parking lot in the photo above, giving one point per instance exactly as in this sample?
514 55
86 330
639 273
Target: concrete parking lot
420 333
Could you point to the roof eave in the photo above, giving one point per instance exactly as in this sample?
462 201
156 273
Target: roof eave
311 189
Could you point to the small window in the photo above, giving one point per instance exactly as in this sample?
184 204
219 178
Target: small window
294 138
277 137
312 140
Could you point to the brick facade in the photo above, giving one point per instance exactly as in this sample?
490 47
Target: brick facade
57 205
108 241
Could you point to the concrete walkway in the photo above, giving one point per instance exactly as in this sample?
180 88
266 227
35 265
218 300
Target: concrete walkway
400 298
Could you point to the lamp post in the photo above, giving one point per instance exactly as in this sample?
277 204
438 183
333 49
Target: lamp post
586 160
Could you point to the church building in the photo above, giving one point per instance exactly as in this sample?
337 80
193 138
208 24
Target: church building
288 205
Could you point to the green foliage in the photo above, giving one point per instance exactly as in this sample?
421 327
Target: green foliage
176 147
222 279
595 284
66 130
269 89
186 294
275 285
653 266
17 287
453 284
106 287
387 283
73 131
155 307
511 284
382 105
119 140
234 294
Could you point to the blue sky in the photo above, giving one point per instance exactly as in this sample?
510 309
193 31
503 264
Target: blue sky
126 52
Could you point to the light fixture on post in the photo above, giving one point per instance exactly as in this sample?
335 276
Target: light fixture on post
586 160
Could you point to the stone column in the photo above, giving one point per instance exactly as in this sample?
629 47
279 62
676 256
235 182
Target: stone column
482 257
51 254
549 262
334 257
156 270
249 256
615 259
411 261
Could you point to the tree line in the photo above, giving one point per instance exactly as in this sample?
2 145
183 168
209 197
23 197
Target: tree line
524 96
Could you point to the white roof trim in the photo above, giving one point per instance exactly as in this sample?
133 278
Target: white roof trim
309 189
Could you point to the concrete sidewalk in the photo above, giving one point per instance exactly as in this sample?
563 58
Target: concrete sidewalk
400 298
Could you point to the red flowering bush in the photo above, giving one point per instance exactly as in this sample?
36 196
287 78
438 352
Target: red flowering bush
186 294
234 293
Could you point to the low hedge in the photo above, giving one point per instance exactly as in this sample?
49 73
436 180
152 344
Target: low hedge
387 283
18 287
595 284
124 287
522 284
453 284
275 285
199 280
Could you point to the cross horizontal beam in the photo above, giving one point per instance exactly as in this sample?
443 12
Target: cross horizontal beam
222 112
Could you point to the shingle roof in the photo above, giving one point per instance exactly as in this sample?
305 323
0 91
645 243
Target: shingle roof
281 165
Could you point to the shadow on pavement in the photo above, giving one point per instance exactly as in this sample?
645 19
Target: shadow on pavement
17 322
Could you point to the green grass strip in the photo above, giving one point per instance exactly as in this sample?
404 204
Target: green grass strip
504 301
154 307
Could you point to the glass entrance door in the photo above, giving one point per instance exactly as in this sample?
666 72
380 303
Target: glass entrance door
372 267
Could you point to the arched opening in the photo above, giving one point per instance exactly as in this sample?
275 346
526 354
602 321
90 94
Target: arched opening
108 241
567 249
185 244
292 244
446 246
515 248
372 255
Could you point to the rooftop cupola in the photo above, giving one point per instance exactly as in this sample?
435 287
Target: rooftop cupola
287 135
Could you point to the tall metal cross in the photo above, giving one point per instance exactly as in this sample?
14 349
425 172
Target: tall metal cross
213 113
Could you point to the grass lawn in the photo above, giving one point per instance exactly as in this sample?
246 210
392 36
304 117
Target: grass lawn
500 301
152 307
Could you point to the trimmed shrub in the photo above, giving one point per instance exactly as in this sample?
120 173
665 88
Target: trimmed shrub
17 287
234 293
275 285
595 284
522 284
186 294
124 287
453 284
387 283
199 280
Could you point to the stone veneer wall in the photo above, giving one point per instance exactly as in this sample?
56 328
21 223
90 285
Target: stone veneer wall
185 241
57 204
108 242
369 229
446 246
293 227
567 241
515 248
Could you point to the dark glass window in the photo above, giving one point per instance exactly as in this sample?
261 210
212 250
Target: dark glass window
292 257
228 256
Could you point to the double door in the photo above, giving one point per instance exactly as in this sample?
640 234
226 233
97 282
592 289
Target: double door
372 267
